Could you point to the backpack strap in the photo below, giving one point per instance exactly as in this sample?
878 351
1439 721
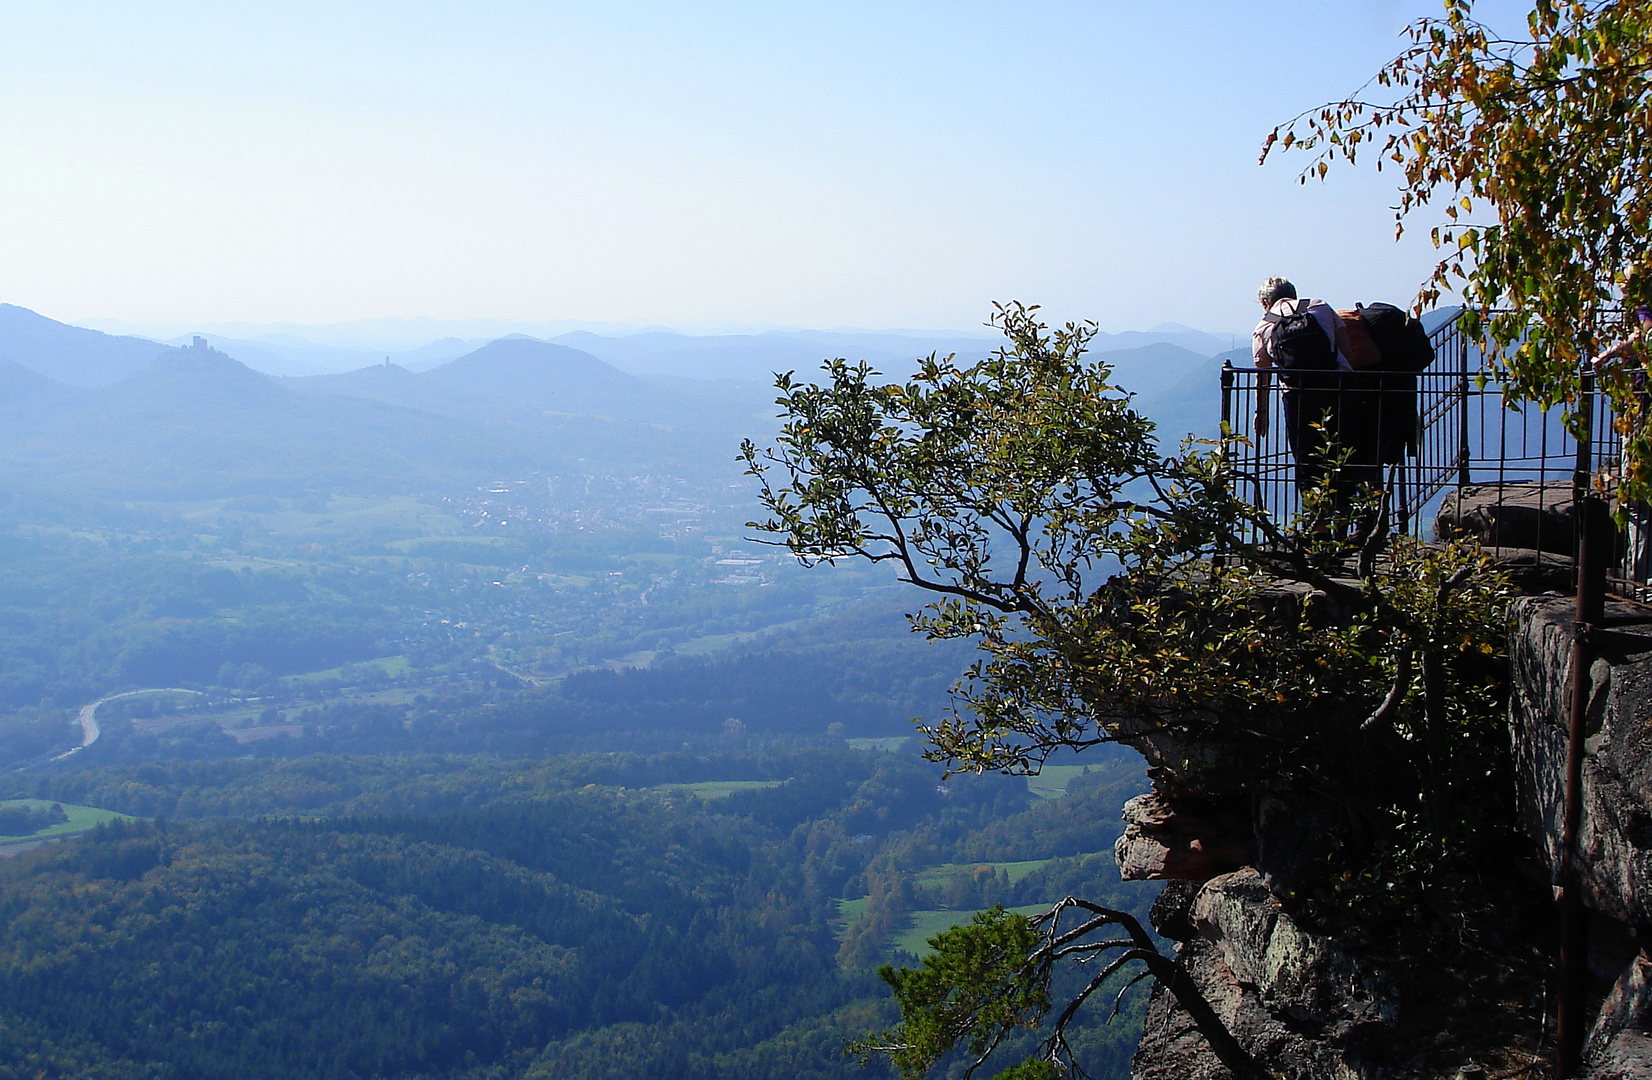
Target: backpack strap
1300 305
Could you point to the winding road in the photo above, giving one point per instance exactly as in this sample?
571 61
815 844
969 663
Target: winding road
89 729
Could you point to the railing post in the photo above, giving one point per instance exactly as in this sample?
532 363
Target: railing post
1227 391
1462 412
1583 468
1227 432
1571 1023
1592 525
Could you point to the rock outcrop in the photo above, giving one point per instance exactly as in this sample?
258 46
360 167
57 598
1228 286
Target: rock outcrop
1537 517
1300 1004
1309 1005
1163 840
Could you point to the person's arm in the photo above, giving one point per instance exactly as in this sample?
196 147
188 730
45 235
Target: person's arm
1621 351
1259 353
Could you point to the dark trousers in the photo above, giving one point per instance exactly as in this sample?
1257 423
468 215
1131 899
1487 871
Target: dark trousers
1330 415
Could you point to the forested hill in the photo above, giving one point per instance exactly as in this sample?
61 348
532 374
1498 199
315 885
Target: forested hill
591 918
71 354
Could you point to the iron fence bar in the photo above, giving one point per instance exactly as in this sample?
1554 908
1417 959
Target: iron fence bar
1463 468
1583 467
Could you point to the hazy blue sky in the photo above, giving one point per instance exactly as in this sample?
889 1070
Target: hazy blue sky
882 164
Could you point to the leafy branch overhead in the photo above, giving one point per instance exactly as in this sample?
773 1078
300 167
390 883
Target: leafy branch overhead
1535 148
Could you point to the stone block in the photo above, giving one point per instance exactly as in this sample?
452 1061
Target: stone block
1163 840
1628 1008
1627 1057
1514 515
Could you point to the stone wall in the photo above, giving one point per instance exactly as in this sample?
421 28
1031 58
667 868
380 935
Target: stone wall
1615 839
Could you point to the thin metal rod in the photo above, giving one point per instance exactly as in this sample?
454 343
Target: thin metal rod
1591 522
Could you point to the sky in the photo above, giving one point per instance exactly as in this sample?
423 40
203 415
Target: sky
702 166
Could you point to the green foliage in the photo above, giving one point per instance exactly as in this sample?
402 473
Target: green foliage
1037 1069
1027 492
987 981
971 989
1012 487
1544 135
24 819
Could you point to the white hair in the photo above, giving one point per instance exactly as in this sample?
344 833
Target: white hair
1274 290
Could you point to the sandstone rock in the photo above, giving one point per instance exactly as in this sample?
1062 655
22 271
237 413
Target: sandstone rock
1165 840
1628 1008
1296 1002
1171 1047
1513 515
1627 1057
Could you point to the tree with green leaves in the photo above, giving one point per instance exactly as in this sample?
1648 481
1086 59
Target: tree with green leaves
1117 594
986 979
1537 148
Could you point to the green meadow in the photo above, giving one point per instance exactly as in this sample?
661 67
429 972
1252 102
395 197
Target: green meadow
924 925
81 818
718 789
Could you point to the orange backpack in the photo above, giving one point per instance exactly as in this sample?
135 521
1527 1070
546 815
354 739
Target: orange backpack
1362 348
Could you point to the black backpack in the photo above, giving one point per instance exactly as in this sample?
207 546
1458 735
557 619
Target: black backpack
1399 337
1299 342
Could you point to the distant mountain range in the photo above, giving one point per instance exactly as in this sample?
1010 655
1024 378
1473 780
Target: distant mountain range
71 354
418 344
760 356
139 419
195 423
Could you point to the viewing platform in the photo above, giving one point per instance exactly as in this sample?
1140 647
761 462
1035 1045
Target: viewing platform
1454 450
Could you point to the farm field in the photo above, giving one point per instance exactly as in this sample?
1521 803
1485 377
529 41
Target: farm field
924 925
889 745
1051 781
938 875
718 789
81 819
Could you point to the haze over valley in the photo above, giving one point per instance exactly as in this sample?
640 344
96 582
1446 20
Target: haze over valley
491 590
397 678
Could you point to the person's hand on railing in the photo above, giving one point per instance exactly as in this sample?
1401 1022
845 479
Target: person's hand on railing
1261 424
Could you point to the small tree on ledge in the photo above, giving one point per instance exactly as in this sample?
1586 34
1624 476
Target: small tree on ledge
1026 494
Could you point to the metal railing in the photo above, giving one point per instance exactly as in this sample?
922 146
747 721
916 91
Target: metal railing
1452 447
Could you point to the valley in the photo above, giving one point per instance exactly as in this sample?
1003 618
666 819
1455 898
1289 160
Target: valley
470 686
